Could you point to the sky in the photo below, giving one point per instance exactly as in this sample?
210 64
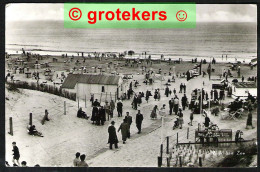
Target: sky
205 12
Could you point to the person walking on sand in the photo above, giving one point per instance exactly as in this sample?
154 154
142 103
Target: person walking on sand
119 108
184 88
191 117
112 108
124 127
180 114
181 86
171 105
249 120
129 122
167 91
112 139
139 120
176 104
154 113
82 162
184 100
16 153
46 117
76 160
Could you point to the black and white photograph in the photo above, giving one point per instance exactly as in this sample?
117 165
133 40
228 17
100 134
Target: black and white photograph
131 97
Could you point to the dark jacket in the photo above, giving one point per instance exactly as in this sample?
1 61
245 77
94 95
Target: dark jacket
207 120
16 151
119 106
139 118
112 135
129 120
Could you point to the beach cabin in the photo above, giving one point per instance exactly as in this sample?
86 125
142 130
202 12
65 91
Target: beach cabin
241 89
86 84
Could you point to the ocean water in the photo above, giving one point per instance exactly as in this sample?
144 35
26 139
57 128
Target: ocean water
237 40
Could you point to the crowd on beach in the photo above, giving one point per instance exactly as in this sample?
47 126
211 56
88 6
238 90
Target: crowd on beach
176 105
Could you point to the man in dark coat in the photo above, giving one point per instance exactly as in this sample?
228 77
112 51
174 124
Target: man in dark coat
184 101
129 122
96 103
119 108
112 139
94 115
171 104
184 88
82 114
139 120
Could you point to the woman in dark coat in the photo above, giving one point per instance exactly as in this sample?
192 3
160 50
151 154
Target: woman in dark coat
102 114
94 114
112 139
249 120
124 127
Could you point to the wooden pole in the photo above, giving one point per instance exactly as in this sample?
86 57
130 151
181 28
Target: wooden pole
188 131
180 161
177 138
64 107
100 98
78 103
161 151
168 162
11 126
167 146
30 119
85 100
200 162
106 96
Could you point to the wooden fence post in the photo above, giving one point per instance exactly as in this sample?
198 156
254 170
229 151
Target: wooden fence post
11 126
168 162
188 130
200 162
167 146
100 98
78 103
161 150
180 161
177 139
85 100
64 107
30 119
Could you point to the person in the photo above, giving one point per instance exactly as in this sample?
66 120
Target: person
107 110
139 120
82 114
112 139
181 87
129 122
154 114
176 104
94 114
207 120
174 91
134 103
249 120
46 117
92 99
243 78
102 115
184 100
147 95
96 103
16 153
180 114
191 118
119 108
82 162
76 160
167 91
34 132
112 108
184 88
24 163
162 110
171 104
124 130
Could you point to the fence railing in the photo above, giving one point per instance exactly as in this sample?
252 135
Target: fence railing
43 88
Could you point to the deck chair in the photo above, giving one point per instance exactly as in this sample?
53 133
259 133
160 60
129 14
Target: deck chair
237 113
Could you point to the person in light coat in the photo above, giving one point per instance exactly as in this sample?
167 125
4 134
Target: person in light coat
124 127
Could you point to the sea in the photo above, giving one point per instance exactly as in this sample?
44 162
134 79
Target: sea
223 41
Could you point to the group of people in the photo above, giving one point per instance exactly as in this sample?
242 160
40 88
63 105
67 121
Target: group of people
79 160
124 128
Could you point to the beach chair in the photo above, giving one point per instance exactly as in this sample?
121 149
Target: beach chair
236 114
